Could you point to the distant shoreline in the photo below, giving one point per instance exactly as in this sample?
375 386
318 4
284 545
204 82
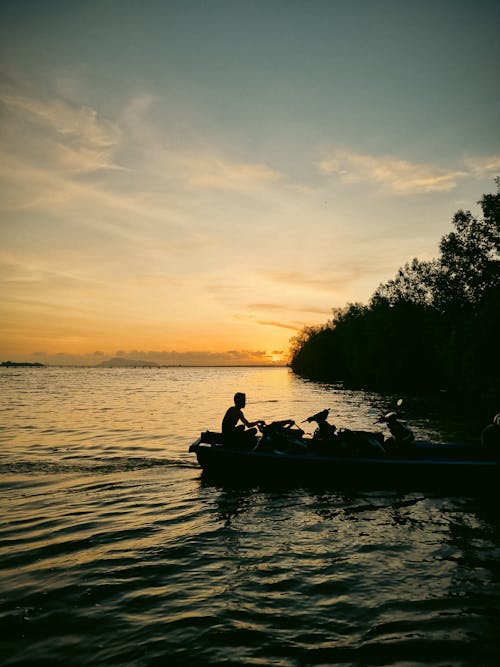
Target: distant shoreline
15 364
22 364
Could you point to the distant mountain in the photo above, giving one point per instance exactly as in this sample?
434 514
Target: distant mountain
123 362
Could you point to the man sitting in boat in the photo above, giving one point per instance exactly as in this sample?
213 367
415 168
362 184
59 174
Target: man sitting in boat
490 437
234 434
402 437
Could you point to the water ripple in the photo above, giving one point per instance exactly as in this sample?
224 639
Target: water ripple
114 550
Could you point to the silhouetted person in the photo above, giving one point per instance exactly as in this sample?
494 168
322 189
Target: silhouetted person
402 437
490 437
234 434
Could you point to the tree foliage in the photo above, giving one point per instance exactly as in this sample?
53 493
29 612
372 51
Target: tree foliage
435 325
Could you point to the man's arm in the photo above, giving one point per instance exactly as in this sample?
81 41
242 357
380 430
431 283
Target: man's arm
250 424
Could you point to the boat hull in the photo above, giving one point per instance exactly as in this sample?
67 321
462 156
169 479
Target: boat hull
424 471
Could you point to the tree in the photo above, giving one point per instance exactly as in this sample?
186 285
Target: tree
413 284
435 325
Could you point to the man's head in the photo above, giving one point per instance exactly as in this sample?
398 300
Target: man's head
240 399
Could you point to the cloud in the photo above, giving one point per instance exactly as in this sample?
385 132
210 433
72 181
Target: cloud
78 121
280 307
70 162
399 176
265 306
483 165
186 159
281 325
215 173
328 282
39 272
297 278
79 138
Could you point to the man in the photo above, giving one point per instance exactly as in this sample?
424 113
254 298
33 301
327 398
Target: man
234 434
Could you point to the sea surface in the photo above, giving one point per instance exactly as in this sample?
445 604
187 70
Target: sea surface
114 550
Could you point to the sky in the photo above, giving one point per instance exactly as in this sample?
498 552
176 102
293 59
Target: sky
196 181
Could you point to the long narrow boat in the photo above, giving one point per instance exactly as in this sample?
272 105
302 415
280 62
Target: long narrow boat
428 466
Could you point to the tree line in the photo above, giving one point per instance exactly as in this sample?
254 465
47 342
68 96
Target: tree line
435 326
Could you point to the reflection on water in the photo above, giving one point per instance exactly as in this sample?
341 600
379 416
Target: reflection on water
114 549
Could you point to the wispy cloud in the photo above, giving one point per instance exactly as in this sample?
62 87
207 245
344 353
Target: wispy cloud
196 164
330 281
483 165
280 325
82 140
222 174
300 279
398 175
39 271
59 155
280 307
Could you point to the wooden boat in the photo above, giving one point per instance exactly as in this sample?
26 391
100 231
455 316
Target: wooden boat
427 465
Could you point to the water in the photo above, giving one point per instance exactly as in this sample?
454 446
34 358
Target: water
114 550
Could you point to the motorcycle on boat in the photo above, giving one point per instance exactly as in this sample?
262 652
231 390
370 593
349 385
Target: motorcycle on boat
329 441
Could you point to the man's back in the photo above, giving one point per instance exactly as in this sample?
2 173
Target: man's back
231 418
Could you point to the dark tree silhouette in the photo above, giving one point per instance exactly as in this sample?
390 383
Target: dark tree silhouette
436 325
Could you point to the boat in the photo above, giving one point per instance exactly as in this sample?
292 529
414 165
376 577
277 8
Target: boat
426 465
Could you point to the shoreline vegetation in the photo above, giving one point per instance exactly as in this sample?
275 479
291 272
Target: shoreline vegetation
432 330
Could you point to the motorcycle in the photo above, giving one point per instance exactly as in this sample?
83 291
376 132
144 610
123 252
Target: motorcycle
281 435
327 439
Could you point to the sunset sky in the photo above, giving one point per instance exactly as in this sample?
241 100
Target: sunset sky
193 182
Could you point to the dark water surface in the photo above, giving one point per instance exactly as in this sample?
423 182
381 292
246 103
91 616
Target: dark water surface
115 551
